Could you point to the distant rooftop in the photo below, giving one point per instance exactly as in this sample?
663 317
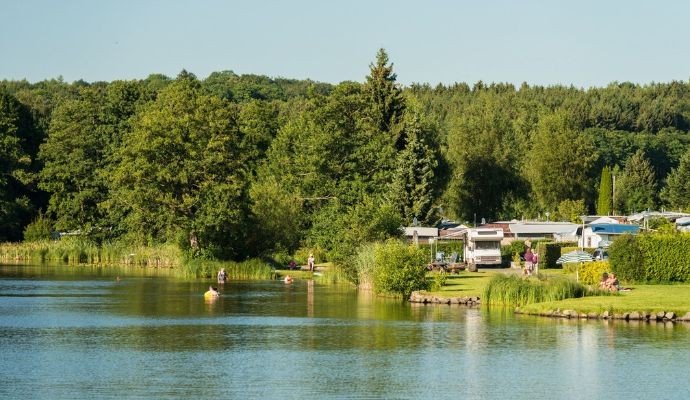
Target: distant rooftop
614 229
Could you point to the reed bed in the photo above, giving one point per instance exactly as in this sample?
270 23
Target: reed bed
332 275
365 263
81 251
516 291
246 270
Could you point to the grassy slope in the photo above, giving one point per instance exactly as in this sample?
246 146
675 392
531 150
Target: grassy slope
465 284
650 298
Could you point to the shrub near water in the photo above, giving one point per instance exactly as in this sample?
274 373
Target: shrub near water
512 290
399 269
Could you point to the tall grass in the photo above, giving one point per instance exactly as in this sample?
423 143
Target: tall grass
512 290
245 270
332 275
365 263
73 250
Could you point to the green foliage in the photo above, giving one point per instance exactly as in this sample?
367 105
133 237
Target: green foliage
512 290
17 137
384 95
590 273
81 250
448 246
40 229
78 152
636 190
560 163
180 170
365 265
677 191
278 215
302 254
333 275
651 257
549 252
342 230
399 269
627 259
245 270
516 246
413 186
662 225
243 165
484 152
282 260
605 199
570 210
439 280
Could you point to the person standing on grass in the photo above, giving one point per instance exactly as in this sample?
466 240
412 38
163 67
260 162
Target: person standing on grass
529 259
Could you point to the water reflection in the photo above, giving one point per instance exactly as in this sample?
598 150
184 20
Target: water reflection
87 335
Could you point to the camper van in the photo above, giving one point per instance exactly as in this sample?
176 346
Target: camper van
482 247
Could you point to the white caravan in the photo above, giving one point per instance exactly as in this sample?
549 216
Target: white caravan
482 247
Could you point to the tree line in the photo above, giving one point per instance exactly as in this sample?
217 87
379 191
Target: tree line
235 166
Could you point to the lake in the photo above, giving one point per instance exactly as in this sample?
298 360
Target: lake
76 332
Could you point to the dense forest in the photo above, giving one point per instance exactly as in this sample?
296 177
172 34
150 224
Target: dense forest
236 166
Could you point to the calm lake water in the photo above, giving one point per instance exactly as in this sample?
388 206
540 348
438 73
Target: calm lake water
71 333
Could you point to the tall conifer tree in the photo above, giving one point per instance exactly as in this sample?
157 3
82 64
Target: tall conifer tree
604 201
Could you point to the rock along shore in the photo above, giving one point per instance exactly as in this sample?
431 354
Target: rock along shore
627 316
417 297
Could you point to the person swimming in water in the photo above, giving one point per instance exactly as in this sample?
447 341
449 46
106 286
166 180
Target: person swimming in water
288 279
212 293
222 276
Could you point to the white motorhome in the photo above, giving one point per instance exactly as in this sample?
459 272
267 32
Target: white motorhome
482 247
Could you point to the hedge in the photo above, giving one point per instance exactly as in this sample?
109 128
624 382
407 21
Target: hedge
651 257
549 252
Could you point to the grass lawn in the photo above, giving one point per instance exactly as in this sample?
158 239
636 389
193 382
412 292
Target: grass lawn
299 274
650 298
464 284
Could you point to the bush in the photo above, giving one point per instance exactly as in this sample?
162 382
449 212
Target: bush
439 281
591 272
516 246
40 229
399 268
281 259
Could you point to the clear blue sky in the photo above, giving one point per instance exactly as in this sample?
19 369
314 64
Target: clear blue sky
584 43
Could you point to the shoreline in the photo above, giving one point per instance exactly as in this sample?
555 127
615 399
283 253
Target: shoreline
420 298
661 316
